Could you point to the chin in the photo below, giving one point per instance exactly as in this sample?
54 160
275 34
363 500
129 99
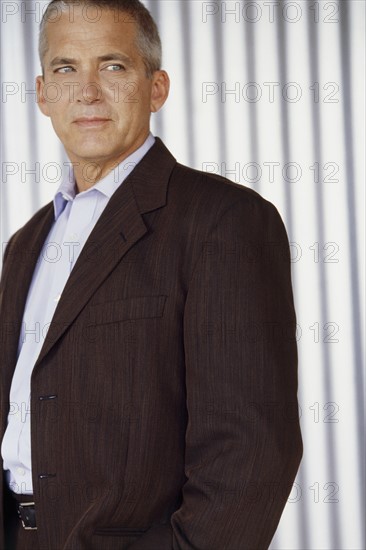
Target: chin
92 151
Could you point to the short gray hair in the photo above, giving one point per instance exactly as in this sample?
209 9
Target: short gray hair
147 38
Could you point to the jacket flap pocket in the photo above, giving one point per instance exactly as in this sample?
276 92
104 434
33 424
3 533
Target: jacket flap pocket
137 307
120 531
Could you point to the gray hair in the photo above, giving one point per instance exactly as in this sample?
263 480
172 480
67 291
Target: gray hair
147 38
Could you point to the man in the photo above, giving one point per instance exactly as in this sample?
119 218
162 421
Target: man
149 375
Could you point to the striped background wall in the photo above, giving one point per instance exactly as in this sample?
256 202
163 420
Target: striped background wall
270 94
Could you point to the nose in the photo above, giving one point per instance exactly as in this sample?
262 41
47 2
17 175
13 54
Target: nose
89 89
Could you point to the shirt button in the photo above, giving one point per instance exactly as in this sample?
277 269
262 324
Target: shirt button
56 298
73 237
21 471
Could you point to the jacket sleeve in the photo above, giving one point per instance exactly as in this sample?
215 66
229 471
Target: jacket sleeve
243 441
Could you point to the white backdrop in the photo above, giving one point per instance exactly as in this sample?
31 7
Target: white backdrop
271 95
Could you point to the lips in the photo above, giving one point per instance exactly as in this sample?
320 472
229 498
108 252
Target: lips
89 122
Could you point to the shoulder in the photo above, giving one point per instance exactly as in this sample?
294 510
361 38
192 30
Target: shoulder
38 217
215 196
27 230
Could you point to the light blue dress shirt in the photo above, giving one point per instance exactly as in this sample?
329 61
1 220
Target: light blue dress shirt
75 218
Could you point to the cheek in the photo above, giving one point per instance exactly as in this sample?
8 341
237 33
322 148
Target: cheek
129 91
58 103
125 94
54 94
59 128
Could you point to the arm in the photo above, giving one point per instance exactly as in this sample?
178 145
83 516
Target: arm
243 442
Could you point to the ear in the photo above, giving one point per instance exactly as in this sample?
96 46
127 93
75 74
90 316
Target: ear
41 100
159 90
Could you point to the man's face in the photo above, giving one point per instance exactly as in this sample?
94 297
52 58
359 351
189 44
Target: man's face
93 70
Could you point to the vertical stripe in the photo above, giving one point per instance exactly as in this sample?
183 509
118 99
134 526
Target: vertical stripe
357 368
183 13
250 54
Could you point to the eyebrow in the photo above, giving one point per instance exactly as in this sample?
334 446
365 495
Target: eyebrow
107 57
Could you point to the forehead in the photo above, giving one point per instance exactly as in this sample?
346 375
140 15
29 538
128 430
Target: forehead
89 27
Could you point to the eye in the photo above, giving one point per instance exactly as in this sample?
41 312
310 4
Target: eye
115 67
64 70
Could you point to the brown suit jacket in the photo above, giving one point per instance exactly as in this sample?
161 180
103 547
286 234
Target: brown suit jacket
172 355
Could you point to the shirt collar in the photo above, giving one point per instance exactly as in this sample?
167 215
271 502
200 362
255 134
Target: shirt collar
107 185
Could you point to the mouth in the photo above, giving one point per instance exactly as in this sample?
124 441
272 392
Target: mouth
91 122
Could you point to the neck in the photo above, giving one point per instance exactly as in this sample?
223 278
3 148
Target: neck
88 172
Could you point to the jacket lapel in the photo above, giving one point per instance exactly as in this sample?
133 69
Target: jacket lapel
119 227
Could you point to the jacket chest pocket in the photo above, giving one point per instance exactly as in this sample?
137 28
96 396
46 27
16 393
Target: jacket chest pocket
136 307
